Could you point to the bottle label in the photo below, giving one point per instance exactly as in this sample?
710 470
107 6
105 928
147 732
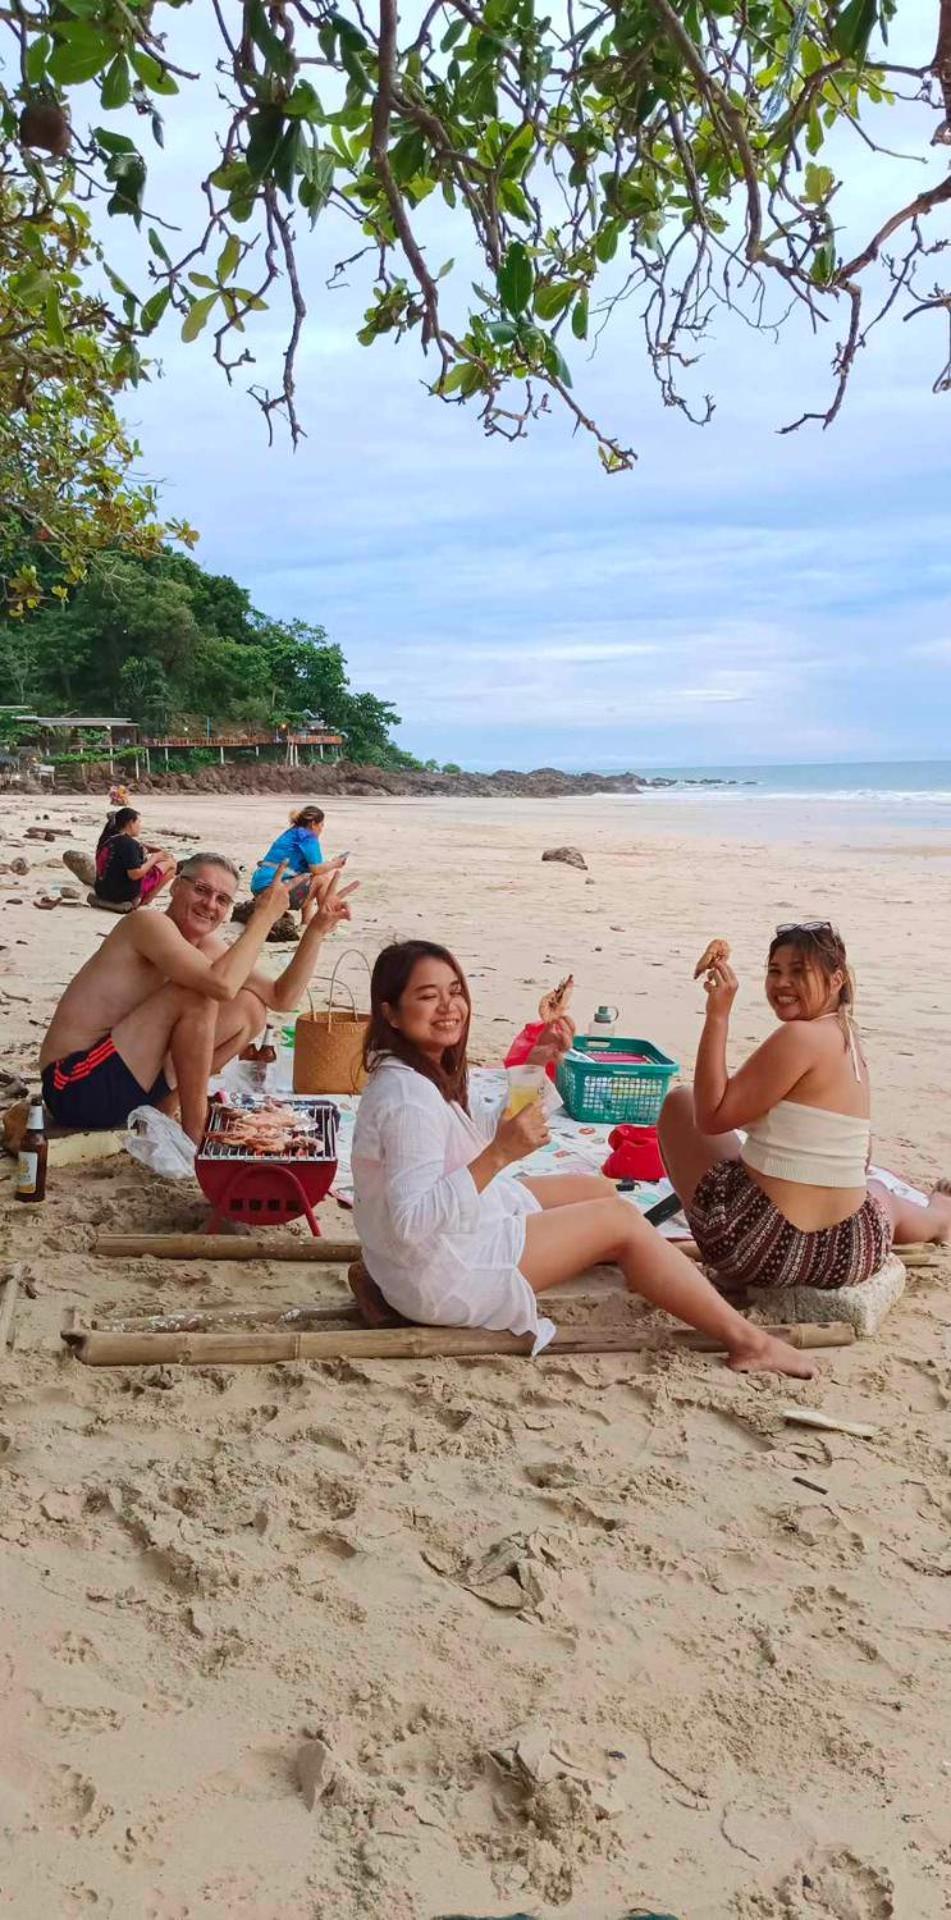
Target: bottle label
27 1165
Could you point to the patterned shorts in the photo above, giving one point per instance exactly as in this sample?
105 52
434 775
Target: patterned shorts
743 1236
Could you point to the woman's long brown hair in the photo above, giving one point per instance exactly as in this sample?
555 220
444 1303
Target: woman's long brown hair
392 972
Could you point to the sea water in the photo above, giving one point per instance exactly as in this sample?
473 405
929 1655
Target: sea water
873 800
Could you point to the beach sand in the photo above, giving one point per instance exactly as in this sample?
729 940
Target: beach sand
707 1670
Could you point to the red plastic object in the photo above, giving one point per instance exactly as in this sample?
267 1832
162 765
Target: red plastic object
524 1044
635 1155
268 1195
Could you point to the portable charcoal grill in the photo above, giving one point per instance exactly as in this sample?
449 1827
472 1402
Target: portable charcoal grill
267 1189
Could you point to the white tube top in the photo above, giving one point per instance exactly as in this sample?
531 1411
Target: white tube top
809 1144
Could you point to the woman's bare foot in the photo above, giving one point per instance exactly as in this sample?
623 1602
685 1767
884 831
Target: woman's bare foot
763 1353
373 1305
940 1199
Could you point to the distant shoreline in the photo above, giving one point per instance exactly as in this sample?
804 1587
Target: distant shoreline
544 783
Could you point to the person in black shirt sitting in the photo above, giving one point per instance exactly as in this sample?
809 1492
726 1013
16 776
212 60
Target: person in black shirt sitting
126 875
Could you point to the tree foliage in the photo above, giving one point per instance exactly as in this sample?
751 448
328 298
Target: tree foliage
172 646
67 486
653 157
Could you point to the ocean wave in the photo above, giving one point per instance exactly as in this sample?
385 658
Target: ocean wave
922 797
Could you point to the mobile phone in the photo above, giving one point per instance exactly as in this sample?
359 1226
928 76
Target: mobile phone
343 856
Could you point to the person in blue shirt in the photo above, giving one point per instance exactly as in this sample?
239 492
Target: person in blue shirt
299 848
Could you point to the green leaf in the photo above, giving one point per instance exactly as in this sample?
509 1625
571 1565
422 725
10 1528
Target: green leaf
153 309
278 56
853 28
605 245
316 188
197 316
819 183
304 103
202 280
55 331
31 286
118 286
502 332
550 300
158 247
516 278
453 33
37 55
579 317
152 75
113 142
285 159
80 53
556 364
116 87
823 265
228 258
265 133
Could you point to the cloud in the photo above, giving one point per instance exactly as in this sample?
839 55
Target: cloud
740 596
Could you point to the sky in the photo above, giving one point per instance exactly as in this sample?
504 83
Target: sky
739 597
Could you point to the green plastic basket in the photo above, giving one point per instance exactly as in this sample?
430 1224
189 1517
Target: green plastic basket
607 1091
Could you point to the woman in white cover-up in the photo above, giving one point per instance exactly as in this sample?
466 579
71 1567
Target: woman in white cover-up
448 1235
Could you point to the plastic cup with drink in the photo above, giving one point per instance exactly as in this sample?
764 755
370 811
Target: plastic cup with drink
526 1084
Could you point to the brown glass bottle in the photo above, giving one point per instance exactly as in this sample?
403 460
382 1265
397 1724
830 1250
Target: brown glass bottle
31 1160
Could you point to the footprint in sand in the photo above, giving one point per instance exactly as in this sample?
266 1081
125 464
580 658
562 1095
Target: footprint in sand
838 1886
72 1801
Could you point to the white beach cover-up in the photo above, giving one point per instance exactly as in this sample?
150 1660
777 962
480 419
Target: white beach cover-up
440 1252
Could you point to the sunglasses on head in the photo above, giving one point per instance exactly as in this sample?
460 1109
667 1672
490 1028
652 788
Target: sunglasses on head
805 926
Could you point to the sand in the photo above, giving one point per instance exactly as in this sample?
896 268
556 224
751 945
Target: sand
577 1637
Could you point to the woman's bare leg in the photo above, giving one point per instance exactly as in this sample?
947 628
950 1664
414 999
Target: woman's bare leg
688 1153
912 1222
569 1189
562 1243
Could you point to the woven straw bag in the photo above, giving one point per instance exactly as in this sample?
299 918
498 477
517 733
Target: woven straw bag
328 1045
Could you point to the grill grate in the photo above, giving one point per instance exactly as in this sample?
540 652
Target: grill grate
311 1135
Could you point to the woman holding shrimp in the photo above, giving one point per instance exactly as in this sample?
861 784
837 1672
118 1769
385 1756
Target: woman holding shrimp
449 1236
791 1204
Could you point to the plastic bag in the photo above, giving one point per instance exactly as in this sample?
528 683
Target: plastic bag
159 1143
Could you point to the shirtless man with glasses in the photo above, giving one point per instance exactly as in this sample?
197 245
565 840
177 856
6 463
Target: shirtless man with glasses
165 1002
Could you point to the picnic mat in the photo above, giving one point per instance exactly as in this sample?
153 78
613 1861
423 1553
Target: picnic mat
574 1147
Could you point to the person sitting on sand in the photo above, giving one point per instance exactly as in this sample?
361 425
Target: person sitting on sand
298 848
165 1003
449 1237
126 873
790 1205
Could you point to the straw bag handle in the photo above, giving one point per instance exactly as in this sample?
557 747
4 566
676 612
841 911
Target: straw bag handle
347 953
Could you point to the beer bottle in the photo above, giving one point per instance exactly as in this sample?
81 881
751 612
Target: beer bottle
32 1157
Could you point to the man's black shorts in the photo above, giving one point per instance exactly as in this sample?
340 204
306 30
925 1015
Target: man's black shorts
94 1090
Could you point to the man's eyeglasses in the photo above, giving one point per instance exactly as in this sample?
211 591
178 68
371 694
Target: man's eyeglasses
210 895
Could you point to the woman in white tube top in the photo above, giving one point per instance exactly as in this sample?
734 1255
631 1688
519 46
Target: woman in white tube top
449 1236
791 1204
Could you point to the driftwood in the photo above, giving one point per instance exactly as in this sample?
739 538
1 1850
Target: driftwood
811 1417
102 1349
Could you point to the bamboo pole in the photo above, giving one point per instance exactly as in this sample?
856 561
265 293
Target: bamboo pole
223 1246
8 1306
236 1246
100 1349
201 1319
